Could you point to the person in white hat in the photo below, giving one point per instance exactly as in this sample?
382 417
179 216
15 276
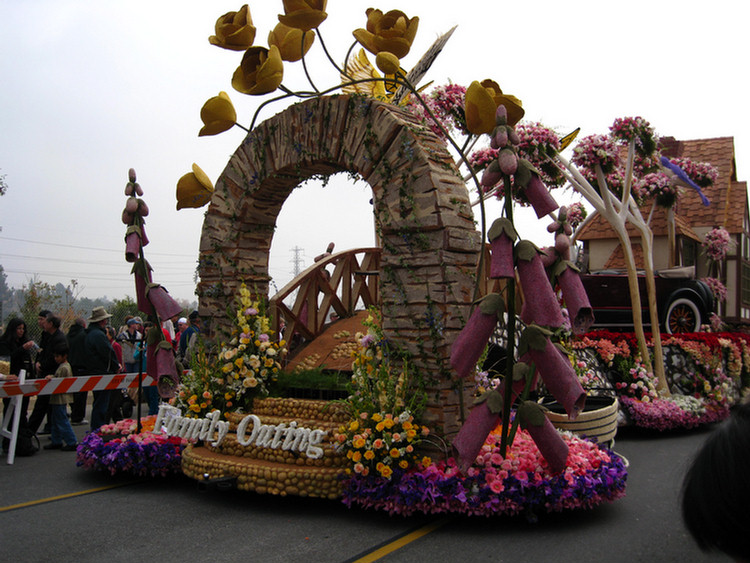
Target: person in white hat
100 359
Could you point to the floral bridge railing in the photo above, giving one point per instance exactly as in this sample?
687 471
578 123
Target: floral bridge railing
337 284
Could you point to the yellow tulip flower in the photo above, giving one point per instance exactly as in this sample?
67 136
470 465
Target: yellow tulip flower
480 108
393 32
289 41
304 14
260 72
234 30
512 104
218 115
194 189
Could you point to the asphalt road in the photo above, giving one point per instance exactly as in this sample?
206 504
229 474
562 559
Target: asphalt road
50 510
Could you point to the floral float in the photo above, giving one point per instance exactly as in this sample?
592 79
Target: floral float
707 372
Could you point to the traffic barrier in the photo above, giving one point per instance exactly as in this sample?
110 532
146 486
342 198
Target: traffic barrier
17 390
74 384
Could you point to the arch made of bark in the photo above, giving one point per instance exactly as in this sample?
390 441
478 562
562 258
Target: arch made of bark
422 213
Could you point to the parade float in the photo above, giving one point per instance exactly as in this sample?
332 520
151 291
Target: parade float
423 428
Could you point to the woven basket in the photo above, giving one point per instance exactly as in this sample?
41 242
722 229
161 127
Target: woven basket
598 420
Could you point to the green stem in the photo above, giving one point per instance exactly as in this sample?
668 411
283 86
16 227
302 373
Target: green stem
325 50
304 65
511 330
524 396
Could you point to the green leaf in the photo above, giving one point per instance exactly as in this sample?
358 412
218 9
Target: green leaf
500 226
526 250
520 371
534 337
491 304
523 173
494 401
531 414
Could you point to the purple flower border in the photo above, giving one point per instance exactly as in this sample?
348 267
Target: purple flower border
442 489
156 456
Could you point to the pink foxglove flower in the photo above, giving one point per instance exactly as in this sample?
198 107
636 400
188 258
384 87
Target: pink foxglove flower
540 304
471 341
539 197
551 445
135 238
555 368
574 294
502 235
482 419
166 307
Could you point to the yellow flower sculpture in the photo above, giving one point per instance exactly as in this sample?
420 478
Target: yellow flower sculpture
480 109
289 41
393 32
482 101
304 14
218 115
260 72
194 189
234 30
511 103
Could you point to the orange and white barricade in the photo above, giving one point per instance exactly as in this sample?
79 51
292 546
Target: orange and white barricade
17 390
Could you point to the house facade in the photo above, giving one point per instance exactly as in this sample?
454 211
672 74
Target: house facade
728 209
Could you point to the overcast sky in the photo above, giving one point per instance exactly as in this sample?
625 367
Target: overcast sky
91 88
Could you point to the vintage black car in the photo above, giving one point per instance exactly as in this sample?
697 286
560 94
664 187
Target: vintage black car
684 303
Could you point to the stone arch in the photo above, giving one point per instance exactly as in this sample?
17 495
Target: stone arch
422 211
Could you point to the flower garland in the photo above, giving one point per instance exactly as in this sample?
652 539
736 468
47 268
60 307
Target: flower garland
520 483
117 448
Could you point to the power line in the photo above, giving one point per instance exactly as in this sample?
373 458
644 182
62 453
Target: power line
89 247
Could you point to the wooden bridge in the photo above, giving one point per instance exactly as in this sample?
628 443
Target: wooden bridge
335 287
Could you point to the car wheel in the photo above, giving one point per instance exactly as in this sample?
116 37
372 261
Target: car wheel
682 316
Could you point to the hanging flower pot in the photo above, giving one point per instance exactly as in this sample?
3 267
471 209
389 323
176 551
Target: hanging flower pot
597 420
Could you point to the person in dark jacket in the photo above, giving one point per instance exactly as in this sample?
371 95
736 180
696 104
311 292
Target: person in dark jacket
52 338
16 345
77 360
100 360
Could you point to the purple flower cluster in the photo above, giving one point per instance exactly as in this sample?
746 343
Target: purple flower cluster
142 455
665 414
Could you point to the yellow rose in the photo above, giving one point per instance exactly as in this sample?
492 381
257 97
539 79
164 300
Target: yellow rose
392 32
369 454
289 41
194 189
260 72
218 115
304 14
234 30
